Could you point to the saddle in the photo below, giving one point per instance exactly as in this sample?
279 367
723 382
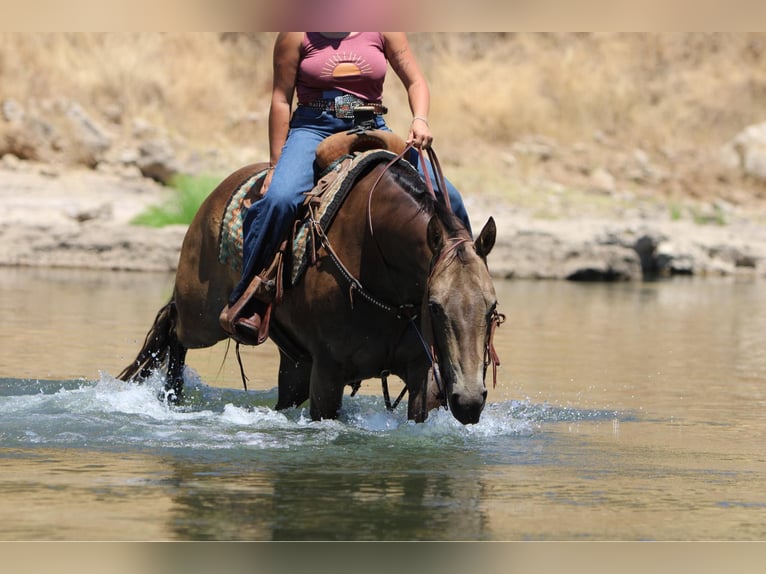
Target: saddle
340 159
356 141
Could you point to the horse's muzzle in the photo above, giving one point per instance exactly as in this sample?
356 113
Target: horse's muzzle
467 408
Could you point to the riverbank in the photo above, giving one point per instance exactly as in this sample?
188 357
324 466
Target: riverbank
604 156
80 218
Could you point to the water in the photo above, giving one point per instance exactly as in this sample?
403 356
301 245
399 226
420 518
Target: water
622 412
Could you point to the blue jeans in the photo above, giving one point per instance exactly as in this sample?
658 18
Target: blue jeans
269 220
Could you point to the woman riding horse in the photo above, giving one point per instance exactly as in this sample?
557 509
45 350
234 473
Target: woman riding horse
397 284
332 73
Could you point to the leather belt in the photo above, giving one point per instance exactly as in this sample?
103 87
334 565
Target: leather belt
344 106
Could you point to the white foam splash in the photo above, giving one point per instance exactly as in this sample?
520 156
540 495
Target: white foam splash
111 412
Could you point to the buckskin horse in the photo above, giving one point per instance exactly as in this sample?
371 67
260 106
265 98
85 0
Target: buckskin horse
396 286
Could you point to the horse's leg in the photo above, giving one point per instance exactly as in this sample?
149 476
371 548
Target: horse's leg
424 394
294 378
416 405
325 391
174 384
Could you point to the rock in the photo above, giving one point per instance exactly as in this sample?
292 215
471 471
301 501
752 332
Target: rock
49 170
601 181
12 111
646 249
733 255
157 160
101 212
54 131
10 162
670 259
602 263
537 254
89 139
142 129
536 146
747 152
30 138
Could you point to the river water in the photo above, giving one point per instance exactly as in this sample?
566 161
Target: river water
630 411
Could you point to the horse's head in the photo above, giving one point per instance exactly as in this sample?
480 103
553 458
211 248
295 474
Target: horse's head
460 306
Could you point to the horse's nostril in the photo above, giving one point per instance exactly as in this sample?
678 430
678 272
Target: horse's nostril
467 401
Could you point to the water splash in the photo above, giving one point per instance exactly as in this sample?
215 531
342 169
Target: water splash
113 414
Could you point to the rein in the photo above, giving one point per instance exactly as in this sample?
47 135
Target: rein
440 182
490 354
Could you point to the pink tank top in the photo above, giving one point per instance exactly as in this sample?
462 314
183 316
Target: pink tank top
356 65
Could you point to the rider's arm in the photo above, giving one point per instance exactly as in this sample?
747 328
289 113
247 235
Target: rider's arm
286 58
405 65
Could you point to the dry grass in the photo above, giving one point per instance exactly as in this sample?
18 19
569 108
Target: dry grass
663 89
668 94
188 83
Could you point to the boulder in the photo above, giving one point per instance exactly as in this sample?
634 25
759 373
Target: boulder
156 159
747 152
602 263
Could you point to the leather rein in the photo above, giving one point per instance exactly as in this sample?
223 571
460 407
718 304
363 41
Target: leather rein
408 311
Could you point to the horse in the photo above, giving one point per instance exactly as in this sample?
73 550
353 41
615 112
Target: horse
398 286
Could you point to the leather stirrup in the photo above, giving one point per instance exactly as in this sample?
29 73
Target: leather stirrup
258 288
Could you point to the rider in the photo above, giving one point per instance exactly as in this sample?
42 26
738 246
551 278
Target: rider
320 67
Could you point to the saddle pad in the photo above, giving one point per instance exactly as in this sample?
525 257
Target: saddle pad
230 243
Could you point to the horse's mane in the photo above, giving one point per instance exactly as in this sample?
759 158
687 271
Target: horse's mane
411 181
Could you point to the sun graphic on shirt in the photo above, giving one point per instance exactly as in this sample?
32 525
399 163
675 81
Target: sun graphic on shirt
345 65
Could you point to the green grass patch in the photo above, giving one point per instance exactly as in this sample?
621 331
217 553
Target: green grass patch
190 192
710 216
676 212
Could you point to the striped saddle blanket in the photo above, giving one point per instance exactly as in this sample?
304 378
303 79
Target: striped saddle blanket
331 190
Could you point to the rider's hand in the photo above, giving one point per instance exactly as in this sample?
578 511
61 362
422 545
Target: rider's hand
420 133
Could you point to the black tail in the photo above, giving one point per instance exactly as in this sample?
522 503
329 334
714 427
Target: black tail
156 345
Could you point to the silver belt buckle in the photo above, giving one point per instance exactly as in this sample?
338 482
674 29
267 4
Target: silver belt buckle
344 106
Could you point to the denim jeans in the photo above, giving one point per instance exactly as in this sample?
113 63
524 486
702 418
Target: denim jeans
269 220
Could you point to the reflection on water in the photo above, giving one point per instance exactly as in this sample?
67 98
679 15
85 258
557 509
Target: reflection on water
627 411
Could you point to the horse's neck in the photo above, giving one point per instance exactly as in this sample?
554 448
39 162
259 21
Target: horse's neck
398 237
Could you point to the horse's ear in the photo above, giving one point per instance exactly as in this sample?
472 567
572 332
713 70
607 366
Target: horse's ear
435 235
486 240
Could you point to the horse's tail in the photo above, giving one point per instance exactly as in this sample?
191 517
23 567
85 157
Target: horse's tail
156 345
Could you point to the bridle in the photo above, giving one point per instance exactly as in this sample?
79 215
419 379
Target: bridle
408 311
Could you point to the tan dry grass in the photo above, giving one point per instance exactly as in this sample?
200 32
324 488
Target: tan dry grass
663 89
669 94
189 83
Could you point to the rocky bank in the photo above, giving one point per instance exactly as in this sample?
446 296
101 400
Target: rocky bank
80 218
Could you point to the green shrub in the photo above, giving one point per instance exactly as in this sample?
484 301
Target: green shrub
190 192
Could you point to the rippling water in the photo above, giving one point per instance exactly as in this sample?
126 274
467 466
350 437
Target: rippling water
623 412
225 446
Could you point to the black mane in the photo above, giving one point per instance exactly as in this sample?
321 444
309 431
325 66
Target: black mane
410 180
